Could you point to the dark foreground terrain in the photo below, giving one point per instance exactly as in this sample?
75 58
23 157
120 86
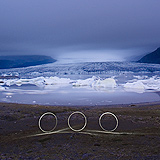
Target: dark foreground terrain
137 136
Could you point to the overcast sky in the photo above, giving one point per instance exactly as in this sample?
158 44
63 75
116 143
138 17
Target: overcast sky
85 29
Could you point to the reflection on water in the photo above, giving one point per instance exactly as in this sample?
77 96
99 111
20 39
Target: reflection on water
68 95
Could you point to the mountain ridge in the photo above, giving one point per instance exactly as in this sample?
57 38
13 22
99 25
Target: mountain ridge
153 57
17 61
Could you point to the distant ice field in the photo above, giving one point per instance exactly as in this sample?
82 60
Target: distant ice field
89 83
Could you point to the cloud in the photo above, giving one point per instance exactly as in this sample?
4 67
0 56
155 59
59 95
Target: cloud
58 28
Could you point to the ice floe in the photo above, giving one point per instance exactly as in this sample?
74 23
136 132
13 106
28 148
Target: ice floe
152 83
138 84
96 82
2 88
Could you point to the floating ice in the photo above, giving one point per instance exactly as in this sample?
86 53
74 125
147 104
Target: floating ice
107 83
2 88
137 85
87 82
43 81
141 84
152 83
2 83
96 82
56 80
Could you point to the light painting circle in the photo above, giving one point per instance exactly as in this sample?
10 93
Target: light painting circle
85 123
39 122
109 113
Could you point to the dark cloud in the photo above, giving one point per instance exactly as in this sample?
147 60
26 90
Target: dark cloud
60 27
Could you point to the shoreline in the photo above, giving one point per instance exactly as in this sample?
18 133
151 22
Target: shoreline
88 106
137 136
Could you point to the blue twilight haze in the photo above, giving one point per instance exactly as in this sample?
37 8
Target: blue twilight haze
86 29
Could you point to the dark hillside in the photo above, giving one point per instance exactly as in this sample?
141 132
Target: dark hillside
7 62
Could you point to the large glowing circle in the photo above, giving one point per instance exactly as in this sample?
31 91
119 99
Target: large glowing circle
39 122
113 116
85 122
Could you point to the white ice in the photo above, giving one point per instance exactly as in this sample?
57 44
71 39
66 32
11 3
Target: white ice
139 84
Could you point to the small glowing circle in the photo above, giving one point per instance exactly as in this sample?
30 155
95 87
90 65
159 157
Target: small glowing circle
113 116
85 123
39 122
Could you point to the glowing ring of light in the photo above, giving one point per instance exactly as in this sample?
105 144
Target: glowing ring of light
113 116
39 122
85 123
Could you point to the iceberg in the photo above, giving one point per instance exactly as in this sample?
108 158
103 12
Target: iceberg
152 83
86 82
136 85
107 83
96 82
2 88
56 80
141 84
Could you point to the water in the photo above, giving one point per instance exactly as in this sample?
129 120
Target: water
92 83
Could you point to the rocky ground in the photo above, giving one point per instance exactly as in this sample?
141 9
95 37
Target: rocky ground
137 135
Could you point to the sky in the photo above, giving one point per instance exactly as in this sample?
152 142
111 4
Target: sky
87 30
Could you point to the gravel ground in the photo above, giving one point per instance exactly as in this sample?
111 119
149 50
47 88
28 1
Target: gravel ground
137 135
